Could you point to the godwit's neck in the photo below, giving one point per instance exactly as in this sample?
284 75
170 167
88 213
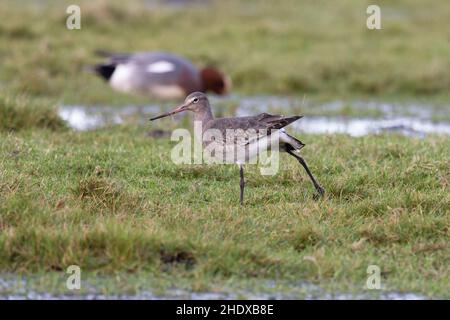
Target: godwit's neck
204 115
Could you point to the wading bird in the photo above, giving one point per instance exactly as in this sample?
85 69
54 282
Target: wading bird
159 74
251 132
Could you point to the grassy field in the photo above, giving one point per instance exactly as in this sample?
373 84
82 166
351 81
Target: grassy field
318 48
111 200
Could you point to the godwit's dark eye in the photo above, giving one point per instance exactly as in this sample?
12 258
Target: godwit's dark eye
195 100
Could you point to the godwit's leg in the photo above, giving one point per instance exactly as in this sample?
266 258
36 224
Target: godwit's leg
241 184
319 189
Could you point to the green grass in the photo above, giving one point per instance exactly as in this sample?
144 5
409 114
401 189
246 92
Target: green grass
112 202
17 113
308 47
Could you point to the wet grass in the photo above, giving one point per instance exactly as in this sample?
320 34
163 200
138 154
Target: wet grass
112 202
309 47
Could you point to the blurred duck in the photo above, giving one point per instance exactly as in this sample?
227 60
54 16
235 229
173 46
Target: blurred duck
159 74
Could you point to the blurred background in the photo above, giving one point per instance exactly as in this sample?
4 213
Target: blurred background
319 49
313 57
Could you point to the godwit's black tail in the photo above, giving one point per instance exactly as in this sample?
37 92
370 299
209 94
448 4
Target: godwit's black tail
275 121
294 143
288 142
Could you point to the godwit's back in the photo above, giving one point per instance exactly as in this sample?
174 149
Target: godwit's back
240 139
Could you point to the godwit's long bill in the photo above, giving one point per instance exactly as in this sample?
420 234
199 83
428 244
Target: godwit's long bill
250 132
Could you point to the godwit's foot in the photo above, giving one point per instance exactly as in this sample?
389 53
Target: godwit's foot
320 193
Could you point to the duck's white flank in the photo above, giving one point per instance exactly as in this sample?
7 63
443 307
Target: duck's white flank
121 78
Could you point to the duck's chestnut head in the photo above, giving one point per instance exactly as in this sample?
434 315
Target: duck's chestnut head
215 81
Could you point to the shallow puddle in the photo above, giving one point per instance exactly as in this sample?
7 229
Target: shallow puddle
325 118
18 288
365 126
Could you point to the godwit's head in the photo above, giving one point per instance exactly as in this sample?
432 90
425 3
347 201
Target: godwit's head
197 102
